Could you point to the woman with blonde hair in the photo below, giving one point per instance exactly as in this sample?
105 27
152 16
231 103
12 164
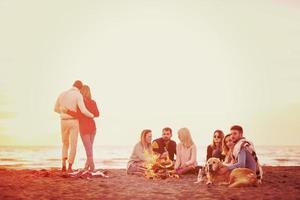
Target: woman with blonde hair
186 153
227 149
136 163
215 148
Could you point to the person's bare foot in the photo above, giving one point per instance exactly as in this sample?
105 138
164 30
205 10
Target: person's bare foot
64 163
70 168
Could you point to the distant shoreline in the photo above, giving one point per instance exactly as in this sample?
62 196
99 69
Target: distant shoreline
116 157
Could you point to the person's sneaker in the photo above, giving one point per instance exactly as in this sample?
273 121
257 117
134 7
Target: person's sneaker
63 169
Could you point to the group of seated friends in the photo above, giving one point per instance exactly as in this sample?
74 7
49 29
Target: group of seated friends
232 149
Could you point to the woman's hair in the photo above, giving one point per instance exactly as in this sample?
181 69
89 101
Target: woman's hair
225 148
86 92
146 146
185 137
213 144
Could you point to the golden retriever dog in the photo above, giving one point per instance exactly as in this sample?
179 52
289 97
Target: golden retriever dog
236 178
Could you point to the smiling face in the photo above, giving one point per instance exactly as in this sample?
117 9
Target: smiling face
229 143
148 137
213 164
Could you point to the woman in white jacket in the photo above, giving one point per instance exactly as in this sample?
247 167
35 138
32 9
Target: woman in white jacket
186 153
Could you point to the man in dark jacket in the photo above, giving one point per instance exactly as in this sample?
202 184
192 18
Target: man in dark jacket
164 145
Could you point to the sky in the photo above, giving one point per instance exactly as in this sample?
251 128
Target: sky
204 65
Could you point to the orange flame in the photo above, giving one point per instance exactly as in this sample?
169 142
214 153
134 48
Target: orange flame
159 168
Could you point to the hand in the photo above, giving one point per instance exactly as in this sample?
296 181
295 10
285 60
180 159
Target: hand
164 155
185 165
225 164
63 109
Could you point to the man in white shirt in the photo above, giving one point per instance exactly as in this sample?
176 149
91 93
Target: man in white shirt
70 99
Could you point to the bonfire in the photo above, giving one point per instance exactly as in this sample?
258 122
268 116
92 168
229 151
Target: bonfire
159 168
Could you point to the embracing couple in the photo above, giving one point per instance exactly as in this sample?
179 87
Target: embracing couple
77 110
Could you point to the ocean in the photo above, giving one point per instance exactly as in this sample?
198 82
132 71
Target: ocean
116 157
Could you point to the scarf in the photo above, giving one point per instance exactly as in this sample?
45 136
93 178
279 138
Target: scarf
248 146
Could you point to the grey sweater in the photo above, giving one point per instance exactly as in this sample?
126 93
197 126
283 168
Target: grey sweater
138 154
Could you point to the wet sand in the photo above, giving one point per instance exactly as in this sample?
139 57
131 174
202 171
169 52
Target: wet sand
278 183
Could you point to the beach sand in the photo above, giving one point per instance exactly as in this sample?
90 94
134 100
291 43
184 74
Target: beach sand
278 183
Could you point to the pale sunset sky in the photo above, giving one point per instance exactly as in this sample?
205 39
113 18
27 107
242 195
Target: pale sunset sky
202 64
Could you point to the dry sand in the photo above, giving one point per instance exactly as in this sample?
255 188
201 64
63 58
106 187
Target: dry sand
279 183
